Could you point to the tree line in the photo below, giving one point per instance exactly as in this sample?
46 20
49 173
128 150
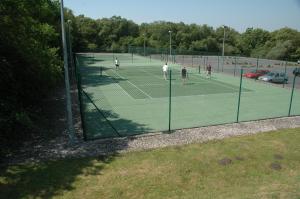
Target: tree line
31 54
117 33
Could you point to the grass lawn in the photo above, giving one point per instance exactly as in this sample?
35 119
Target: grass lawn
260 166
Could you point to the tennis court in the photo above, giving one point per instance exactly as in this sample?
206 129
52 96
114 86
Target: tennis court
136 99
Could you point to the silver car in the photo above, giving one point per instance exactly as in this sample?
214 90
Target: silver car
274 77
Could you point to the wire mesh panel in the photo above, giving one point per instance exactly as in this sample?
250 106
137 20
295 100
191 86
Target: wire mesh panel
295 96
266 97
202 99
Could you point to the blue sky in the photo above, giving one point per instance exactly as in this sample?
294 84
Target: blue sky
238 14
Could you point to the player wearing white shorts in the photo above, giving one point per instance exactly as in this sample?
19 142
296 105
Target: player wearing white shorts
165 71
117 63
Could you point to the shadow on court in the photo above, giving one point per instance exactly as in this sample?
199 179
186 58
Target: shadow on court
102 123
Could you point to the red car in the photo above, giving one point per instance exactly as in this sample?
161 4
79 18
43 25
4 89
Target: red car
255 73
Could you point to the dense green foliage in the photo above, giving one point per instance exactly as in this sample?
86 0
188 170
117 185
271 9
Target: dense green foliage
117 34
31 61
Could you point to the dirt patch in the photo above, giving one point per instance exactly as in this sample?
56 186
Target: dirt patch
275 166
225 161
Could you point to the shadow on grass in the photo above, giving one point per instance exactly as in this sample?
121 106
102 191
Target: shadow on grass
49 179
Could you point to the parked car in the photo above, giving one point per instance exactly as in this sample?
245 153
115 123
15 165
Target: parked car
298 61
256 73
274 77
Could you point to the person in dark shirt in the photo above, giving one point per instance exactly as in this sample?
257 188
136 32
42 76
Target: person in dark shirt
183 75
208 71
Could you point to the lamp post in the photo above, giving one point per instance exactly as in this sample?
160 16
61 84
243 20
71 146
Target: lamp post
223 49
67 83
70 49
170 32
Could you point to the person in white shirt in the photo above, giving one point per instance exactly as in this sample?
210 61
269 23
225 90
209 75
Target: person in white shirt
117 64
165 71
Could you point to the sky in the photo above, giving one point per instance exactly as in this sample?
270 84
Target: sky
238 14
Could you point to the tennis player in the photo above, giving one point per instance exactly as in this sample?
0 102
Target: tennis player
165 71
209 71
117 63
183 75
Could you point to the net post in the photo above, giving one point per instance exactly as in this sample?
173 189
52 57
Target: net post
199 69
170 97
239 99
292 96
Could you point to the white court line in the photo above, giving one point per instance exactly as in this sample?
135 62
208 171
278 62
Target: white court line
121 87
133 85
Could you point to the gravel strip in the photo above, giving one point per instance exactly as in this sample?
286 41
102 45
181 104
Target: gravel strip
61 148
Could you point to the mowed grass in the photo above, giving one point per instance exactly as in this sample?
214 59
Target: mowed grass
191 171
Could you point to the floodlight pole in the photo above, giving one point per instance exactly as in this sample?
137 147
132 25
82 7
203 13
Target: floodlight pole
170 44
223 49
71 129
70 49
144 45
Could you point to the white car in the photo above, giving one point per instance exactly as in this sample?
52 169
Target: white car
298 61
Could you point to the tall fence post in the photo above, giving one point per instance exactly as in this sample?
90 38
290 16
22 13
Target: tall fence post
239 101
79 90
192 60
218 63
292 95
235 66
284 73
257 63
223 62
170 98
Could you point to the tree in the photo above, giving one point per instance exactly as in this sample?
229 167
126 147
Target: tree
30 65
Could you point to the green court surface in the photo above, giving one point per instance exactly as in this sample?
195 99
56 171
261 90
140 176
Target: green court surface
135 98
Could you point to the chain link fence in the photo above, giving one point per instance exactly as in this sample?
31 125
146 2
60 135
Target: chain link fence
136 98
